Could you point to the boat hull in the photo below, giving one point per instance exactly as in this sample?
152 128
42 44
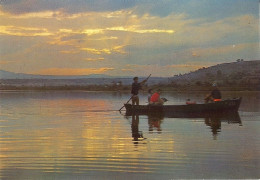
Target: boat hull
231 105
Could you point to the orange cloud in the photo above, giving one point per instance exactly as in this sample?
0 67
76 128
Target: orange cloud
72 71
117 49
24 31
135 29
70 52
6 62
97 59
59 15
127 70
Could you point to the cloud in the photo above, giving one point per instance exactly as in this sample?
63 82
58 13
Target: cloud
116 49
72 71
214 9
127 70
104 38
223 50
37 15
97 51
69 51
52 35
90 32
135 29
95 59
24 31
70 6
6 62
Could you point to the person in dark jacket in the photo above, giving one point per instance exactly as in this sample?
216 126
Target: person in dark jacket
215 94
136 86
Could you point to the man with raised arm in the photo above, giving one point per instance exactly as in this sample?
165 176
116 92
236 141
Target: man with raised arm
136 86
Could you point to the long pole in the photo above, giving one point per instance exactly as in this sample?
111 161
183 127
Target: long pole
133 95
126 103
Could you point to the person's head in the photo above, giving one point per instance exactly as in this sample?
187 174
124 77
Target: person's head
135 79
150 91
214 85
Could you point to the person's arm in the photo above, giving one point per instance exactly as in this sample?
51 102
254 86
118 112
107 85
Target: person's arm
143 82
208 96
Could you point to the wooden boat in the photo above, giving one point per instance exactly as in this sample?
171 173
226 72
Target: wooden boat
229 105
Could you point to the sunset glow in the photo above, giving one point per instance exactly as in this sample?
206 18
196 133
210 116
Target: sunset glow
77 37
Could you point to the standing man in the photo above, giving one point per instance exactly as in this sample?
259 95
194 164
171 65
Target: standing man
136 86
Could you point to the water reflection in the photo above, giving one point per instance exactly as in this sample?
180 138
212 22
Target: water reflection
154 126
212 120
136 134
154 123
81 135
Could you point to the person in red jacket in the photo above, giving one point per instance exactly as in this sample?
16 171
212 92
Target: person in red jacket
155 99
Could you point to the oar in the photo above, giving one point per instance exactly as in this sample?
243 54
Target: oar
133 95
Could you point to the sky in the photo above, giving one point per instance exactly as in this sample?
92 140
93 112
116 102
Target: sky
125 37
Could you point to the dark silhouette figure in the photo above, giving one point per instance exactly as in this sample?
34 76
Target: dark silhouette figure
214 121
136 134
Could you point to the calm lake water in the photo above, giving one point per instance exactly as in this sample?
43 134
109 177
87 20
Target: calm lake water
81 135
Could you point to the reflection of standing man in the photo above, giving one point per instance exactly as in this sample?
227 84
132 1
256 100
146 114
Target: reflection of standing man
136 86
135 128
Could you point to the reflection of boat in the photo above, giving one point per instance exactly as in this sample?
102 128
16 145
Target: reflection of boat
155 119
220 106
213 120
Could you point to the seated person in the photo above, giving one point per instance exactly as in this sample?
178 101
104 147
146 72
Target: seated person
190 102
155 99
150 93
215 94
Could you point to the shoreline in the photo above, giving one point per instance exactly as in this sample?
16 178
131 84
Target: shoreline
116 91
127 88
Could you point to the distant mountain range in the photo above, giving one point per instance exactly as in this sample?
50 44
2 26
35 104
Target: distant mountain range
226 73
20 79
11 75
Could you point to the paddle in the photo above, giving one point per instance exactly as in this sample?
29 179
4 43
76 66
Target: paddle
133 95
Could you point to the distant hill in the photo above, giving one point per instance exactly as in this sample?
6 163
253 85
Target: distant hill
226 73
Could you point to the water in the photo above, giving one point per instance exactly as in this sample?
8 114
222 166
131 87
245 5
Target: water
81 135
